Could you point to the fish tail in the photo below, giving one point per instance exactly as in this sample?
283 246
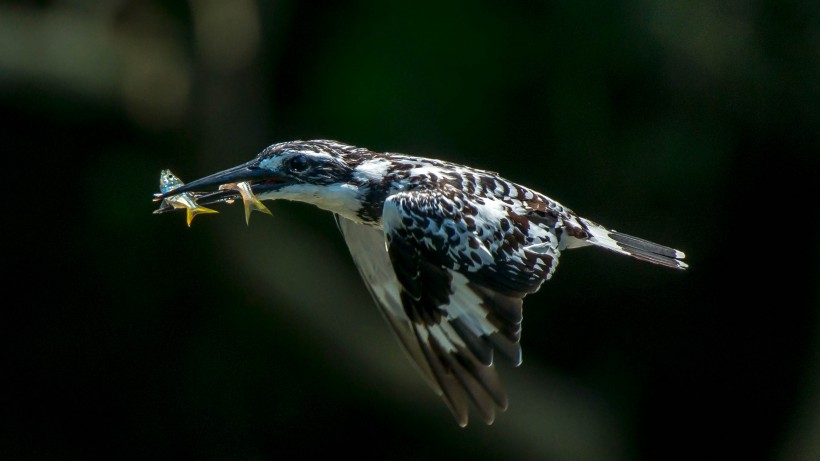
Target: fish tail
197 210
254 204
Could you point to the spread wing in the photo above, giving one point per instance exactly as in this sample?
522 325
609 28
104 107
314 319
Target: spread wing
369 253
450 281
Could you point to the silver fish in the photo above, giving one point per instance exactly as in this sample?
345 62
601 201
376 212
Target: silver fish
168 182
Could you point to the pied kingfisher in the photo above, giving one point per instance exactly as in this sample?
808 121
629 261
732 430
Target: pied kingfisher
447 251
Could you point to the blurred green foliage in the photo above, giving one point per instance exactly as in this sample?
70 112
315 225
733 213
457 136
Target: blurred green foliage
131 336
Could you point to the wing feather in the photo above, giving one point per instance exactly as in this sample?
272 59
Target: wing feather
367 248
452 296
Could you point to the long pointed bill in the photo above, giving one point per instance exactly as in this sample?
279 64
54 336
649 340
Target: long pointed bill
247 172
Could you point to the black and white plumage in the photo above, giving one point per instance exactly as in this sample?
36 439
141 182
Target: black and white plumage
447 251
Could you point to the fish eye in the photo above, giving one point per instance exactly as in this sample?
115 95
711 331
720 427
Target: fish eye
298 163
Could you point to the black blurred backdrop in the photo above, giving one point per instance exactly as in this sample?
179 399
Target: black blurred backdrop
129 335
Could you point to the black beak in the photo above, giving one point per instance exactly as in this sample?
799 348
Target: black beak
260 179
248 172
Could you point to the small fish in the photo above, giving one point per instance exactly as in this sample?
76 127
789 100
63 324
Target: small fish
168 182
248 199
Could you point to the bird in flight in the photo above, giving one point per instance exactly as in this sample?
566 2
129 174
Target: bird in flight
448 252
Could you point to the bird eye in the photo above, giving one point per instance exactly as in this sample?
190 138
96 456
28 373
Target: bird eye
298 163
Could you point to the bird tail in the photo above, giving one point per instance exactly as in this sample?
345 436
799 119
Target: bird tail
633 246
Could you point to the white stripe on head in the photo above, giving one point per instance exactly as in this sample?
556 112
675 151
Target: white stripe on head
372 169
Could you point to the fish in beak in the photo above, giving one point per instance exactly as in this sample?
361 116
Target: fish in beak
168 183
243 181
248 199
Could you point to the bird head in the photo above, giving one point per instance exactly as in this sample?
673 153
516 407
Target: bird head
320 172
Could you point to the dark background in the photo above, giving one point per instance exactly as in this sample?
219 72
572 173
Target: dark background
131 336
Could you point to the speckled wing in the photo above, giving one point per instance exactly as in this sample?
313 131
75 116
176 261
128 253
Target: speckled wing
367 247
462 276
